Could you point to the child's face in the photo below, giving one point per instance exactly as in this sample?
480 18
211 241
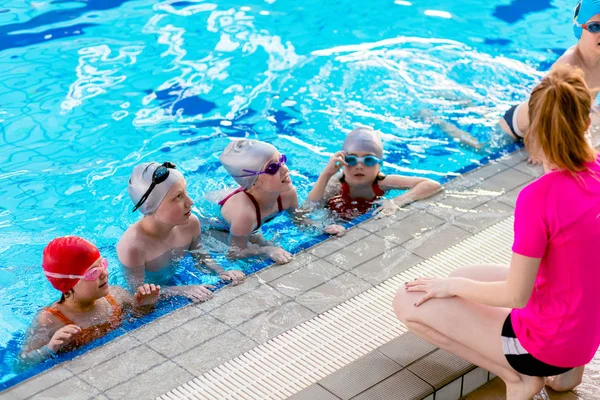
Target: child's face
176 207
360 174
278 183
590 42
95 289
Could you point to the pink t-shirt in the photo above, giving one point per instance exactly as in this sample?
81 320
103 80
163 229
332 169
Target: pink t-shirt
557 219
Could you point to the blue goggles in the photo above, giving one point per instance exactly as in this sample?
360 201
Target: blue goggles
368 161
592 27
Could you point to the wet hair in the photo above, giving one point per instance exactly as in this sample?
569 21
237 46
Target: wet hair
559 111
66 295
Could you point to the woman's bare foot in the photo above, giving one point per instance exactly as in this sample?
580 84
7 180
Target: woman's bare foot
528 387
567 381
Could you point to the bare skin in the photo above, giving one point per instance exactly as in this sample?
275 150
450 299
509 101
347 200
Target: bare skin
471 330
470 308
86 306
240 213
585 55
360 179
158 240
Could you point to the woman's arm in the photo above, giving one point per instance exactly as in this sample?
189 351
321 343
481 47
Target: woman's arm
512 293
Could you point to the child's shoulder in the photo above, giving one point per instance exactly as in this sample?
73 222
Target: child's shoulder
47 320
192 228
120 294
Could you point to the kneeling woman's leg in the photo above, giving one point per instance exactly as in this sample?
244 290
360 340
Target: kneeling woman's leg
471 331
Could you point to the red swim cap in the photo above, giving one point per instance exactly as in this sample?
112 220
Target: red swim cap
69 255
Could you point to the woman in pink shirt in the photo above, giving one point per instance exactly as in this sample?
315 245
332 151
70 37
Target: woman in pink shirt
539 317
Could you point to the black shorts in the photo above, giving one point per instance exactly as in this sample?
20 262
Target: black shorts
511 120
521 361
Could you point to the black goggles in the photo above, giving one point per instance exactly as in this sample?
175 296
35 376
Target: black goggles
159 176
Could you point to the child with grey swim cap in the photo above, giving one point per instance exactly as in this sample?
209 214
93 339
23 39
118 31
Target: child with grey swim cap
168 230
361 184
265 191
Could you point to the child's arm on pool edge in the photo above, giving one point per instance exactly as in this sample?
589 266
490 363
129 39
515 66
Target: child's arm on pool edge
44 339
420 188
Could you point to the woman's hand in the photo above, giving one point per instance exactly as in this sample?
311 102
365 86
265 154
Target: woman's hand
336 162
432 287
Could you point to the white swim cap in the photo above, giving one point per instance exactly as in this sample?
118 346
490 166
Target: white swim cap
241 158
365 139
140 181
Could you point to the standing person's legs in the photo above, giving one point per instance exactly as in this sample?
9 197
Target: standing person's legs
469 330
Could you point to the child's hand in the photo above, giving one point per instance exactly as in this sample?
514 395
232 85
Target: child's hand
146 295
236 277
336 230
63 337
279 255
387 208
336 162
196 293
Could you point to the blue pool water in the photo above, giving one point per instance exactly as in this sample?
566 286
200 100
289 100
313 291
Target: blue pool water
88 89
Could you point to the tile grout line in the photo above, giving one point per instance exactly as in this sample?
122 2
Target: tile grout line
371 308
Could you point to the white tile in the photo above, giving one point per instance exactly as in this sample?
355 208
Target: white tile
474 379
449 392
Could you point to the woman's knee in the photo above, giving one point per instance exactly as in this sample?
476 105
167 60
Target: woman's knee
404 305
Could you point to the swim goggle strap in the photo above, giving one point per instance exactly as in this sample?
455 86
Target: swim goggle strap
368 161
271 169
90 275
159 176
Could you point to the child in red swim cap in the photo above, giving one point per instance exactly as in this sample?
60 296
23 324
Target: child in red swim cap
88 308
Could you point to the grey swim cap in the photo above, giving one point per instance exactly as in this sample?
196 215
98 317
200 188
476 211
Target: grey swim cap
242 157
140 181
364 139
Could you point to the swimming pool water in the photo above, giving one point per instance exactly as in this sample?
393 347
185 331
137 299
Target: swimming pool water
89 89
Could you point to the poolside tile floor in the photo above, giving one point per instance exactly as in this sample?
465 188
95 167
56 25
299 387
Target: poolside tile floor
163 354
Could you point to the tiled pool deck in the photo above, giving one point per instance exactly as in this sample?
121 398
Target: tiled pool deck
172 350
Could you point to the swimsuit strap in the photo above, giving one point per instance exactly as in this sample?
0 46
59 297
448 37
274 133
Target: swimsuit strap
345 189
62 317
256 208
230 195
377 190
279 203
116 310
115 316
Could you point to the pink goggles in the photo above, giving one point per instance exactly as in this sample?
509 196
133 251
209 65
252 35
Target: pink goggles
90 275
